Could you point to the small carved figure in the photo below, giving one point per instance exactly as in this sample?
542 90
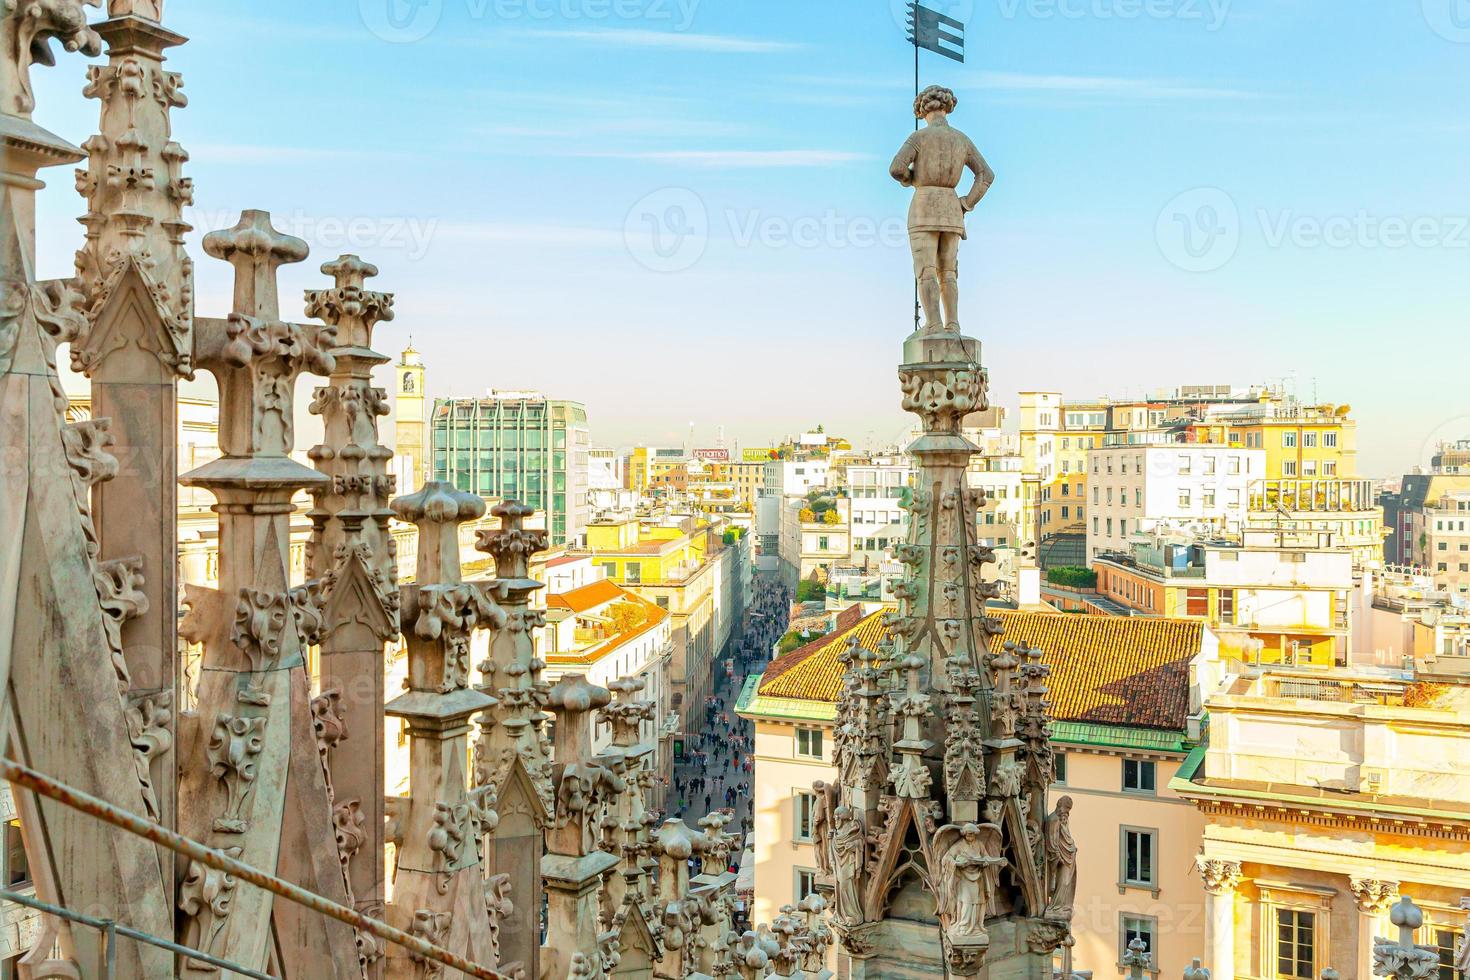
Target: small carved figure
1061 861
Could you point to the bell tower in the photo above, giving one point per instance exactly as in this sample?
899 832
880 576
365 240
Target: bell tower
411 445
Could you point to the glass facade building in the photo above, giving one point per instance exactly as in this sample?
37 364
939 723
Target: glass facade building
517 446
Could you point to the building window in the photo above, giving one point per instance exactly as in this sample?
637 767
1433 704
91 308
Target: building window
1288 467
1185 464
17 869
806 883
1138 776
1184 499
1296 944
809 743
1142 927
804 806
1139 848
1329 440
1059 767
1288 440
1444 942
1309 440
1197 602
1227 605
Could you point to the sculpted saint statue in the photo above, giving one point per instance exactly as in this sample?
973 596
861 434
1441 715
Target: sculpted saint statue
849 854
932 161
823 809
1061 861
969 874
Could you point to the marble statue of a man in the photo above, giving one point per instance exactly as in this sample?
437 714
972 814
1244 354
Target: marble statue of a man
932 161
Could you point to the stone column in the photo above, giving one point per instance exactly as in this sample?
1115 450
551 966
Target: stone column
512 755
353 553
138 281
252 781
1221 879
574 865
63 678
439 892
1374 898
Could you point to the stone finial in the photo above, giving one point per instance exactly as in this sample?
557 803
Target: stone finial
573 698
26 31
1331 974
1137 959
150 9
257 251
1404 960
349 307
512 544
1195 971
438 509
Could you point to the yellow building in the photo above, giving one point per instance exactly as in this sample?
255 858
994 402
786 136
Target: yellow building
1300 441
690 570
1277 597
1325 796
1126 719
411 425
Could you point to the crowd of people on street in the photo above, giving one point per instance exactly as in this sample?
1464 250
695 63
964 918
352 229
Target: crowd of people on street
717 765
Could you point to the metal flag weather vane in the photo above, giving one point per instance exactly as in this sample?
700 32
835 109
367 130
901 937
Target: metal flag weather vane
931 30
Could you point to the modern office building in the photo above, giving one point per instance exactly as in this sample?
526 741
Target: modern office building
518 445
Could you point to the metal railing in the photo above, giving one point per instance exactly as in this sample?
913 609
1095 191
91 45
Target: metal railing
111 930
52 789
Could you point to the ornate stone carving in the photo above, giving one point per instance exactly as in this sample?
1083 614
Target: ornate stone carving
1061 862
1372 895
452 829
432 927
26 31
970 859
150 730
233 749
849 862
1404 959
206 898
1220 877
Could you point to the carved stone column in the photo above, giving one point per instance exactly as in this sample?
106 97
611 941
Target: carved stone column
512 755
575 864
63 677
1221 879
439 884
251 773
139 286
1374 898
353 552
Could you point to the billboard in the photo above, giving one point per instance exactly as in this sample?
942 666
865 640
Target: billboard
713 455
755 455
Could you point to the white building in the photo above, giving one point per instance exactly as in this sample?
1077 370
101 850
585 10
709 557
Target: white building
1200 491
878 520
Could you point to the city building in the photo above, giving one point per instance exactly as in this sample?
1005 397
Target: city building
1197 490
1346 510
1325 796
1126 701
1300 441
696 572
814 541
517 445
411 460
1407 621
1274 597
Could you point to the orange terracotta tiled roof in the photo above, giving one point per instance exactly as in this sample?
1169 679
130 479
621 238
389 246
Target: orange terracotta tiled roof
846 620
587 597
653 615
813 672
1116 670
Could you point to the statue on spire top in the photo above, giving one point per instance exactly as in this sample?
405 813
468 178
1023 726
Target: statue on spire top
932 161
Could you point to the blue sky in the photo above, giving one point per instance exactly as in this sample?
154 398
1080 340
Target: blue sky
678 210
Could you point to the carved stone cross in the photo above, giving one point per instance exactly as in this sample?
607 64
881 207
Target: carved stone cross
257 251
